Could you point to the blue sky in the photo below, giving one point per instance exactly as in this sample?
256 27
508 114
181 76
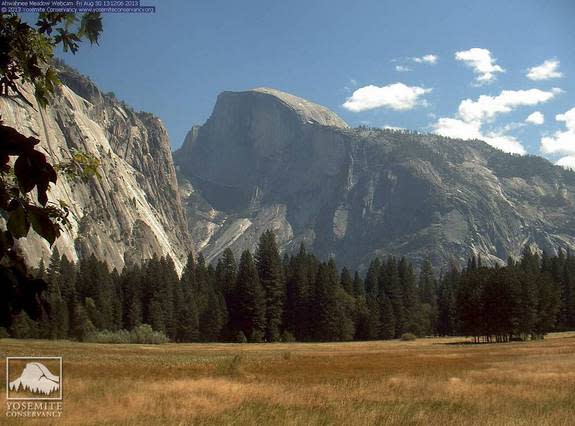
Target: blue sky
366 60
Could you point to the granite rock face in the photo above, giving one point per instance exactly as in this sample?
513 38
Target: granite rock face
266 159
134 211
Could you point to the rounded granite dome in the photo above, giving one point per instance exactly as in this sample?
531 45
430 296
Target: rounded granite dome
306 110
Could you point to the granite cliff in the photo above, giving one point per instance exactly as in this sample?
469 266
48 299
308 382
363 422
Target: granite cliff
134 210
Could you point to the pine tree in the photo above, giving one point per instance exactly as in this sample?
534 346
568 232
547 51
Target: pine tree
390 285
446 305
358 286
372 320
82 327
299 295
411 302
226 274
213 319
251 308
387 318
132 283
427 286
269 267
326 311
346 281
57 324
169 286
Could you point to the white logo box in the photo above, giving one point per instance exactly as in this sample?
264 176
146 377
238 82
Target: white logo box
31 359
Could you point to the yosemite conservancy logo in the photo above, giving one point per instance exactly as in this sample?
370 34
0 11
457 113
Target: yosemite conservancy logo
34 386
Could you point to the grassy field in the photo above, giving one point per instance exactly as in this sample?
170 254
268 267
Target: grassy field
425 382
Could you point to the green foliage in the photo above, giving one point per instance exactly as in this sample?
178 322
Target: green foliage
81 166
146 335
407 337
142 334
271 277
287 337
250 310
87 302
23 327
4 333
106 336
241 338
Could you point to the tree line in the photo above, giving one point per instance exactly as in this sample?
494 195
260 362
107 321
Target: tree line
264 297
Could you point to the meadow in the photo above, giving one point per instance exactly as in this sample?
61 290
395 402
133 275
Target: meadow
423 382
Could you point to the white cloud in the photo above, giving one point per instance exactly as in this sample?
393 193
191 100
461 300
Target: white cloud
457 129
426 59
397 129
536 118
482 62
545 71
506 143
567 162
486 107
397 96
460 129
473 115
562 142
402 68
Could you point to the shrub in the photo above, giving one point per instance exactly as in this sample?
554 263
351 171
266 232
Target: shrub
408 336
23 327
3 333
105 336
140 334
257 337
287 337
241 338
145 334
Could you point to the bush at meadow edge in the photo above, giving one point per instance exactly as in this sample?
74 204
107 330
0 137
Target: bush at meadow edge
140 334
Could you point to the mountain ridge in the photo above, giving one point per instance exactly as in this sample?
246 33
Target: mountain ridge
257 165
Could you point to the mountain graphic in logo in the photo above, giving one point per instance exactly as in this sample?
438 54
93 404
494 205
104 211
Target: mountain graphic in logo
36 378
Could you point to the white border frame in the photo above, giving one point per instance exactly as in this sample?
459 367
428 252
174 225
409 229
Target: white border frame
59 358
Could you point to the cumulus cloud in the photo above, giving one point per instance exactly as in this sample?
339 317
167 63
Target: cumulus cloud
486 107
397 96
473 115
397 129
483 64
457 129
567 162
545 71
505 143
426 59
460 129
402 68
561 142
536 118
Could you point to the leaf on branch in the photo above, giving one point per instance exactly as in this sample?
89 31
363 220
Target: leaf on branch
69 40
91 27
43 225
32 169
18 223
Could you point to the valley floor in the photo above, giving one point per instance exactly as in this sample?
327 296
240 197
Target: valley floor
425 382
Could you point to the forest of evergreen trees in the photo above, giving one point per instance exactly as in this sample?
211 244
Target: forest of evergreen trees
266 298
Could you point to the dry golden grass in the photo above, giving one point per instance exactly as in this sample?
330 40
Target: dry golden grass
426 382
